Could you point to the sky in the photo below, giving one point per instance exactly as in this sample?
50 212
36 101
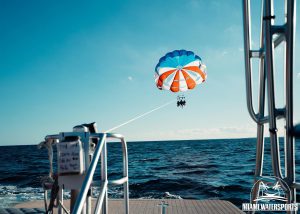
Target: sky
64 63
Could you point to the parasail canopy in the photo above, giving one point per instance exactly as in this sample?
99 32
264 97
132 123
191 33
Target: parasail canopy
179 70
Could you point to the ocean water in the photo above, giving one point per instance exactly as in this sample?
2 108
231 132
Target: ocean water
197 169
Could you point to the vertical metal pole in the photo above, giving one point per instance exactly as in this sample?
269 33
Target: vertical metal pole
163 206
284 72
125 174
248 66
163 209
275 154
261 102
257 118
104 176
87 206
60 197
290 153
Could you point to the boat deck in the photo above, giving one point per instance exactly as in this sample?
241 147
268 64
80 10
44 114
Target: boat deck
151 206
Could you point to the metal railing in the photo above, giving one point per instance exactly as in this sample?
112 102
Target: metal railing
265 54
83 203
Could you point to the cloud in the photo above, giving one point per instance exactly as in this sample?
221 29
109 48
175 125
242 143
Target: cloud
298 75
130 78
220 132
226 132
201 133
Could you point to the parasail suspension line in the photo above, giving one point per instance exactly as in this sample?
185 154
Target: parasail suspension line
142 115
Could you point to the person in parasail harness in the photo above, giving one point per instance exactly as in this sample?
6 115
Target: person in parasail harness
181 101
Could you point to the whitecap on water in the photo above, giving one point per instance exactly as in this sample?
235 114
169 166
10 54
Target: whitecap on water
168 195
12 195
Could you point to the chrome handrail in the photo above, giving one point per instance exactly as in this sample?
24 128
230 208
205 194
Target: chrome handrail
269 66
89 175
285 33
123 180
102 200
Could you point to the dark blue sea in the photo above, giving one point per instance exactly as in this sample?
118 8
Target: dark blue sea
194 169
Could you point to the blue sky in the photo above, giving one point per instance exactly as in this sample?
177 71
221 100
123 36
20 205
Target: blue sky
64 63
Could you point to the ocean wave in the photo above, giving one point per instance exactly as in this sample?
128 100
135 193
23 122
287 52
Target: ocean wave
148 159
11 195
168 195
